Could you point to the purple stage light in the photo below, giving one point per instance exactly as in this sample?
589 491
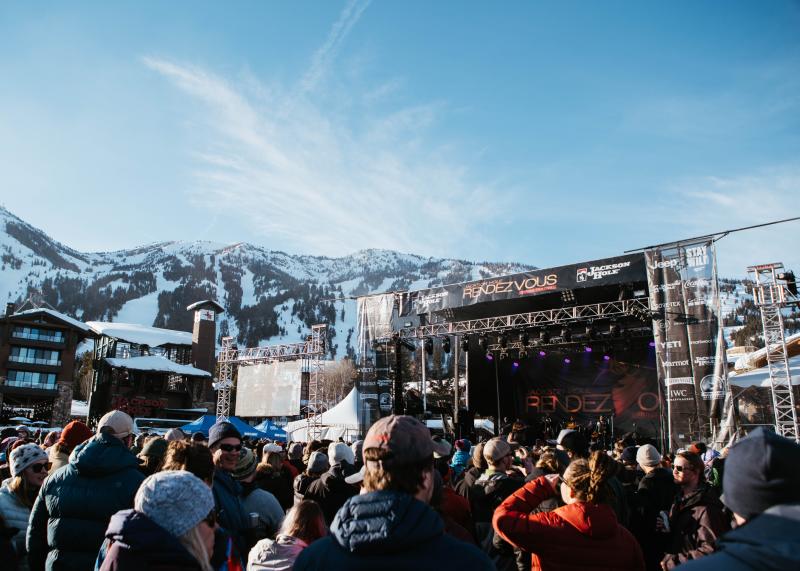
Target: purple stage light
489 357
587 349
652 343
515 364
567 361
606 358
542 353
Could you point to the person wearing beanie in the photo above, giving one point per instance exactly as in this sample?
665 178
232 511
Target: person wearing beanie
358 454
225 443
331 490
257 501
51 439
460 459
75 503
317 466
273 476
28 465
762 489
478 466
296 456
175 435
654 494
73 434
171 526
151 457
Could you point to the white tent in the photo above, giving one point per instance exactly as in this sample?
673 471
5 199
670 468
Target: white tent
339 421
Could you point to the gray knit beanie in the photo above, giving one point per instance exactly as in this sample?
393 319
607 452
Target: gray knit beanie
176 500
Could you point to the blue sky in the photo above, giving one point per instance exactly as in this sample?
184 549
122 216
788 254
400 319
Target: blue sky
538 132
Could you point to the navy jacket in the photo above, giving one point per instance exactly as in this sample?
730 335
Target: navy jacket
330 490
769 542
232 516
140 544
389 531
76 502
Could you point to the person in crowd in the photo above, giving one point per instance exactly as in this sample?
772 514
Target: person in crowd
138 443
460 459
24 433
175 435
199 438
654 494
151 458
296 456
255 500
451 526
706 454
583 534
454 508
51 439
271 476
73 434
696 518
303 525
317 466
290 472
471 474
74 505
29 466
225 443
358 454
762 489
194 458
390 524
331 491
546 465
171 526
498 482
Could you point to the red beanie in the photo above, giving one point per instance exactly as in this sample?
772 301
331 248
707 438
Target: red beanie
74 433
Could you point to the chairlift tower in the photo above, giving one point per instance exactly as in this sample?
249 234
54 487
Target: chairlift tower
772 291
310 351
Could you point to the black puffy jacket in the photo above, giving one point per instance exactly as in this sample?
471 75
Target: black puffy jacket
330 491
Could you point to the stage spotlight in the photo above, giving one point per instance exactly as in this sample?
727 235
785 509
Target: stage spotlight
567 360
503 340
652 344
489 356
542 354
587 349
606 358
566 334
524 338
446 344
614 329
568 297
591 332
544 336
465 344
483 342
515 365
428 344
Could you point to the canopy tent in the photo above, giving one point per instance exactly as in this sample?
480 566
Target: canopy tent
341 421
274 431
205 422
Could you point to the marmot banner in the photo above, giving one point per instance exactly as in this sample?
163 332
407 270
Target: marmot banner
690 348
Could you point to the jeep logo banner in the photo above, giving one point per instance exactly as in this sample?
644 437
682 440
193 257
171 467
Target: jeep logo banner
690 349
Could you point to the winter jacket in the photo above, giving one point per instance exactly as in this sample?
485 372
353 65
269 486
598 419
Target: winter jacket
232 515
57 459
301 484
464 486
71 513
696 521
15 514
768 542
489 492
390 531
138 544
655 493
278 484
8 555
457 508
330 491
576 536
275 555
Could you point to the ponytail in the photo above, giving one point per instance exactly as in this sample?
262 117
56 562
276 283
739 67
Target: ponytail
589 478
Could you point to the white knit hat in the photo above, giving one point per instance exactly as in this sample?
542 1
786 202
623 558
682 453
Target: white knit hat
648 456
339 451
24 456
176 500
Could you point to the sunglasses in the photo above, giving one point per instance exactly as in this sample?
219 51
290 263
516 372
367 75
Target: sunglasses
212 518
677 468
230 447
39 467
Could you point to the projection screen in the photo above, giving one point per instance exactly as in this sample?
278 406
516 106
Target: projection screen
269 389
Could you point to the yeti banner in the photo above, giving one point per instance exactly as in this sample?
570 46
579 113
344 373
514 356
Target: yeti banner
690 348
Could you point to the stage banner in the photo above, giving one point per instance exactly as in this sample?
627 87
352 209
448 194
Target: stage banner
269 389
619 270
690 348
374 315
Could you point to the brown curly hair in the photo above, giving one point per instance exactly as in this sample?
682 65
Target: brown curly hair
588 479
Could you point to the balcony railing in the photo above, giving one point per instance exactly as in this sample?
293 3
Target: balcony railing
34 361
38 336
46 386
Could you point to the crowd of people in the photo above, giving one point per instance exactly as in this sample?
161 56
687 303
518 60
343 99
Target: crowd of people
105 499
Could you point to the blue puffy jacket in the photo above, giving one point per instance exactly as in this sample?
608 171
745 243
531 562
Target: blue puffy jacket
389 531
76 502
232 517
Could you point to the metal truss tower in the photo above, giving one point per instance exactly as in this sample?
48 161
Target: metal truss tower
771 294
310 350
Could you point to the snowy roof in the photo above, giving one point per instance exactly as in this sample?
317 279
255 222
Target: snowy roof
760 377
156 364
749 360
141 334
79 408
58 315
210 302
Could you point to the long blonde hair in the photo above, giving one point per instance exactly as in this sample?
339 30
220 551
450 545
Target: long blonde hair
193 542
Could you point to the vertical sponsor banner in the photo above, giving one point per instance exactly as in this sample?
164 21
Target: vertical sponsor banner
374 322
690 347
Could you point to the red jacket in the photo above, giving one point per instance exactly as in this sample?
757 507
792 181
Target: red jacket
575 536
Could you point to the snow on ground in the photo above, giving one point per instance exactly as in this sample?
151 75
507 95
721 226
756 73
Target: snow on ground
142 310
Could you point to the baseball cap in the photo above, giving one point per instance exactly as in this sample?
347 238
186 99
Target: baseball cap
441 447
406 439
358 477
120 423
496 449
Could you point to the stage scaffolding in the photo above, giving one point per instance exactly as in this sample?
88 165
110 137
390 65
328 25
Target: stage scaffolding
771 295
310 351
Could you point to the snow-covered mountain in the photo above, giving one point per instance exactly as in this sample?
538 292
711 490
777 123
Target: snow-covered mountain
269 296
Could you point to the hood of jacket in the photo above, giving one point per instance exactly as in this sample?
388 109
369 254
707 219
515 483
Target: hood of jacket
102 455
592 520
279 553
385 522
136 532
769 541
702 496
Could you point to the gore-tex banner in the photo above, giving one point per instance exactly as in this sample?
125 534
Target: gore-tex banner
690 348
618 270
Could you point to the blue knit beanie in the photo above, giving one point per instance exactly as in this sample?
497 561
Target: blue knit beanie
176 500
220 430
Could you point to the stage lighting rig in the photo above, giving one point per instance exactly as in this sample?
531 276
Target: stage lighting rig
446 344
614 329
544 335
568 297
524 338
483 342
566 334
591 332
465 344
503 340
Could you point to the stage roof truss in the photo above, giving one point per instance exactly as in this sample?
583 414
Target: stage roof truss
576 345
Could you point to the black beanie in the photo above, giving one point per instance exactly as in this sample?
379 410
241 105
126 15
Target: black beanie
761 471
222 430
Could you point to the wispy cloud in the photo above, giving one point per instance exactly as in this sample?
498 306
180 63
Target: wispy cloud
315 177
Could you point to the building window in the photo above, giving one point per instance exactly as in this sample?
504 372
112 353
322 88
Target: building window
31 379
35 356
37 334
